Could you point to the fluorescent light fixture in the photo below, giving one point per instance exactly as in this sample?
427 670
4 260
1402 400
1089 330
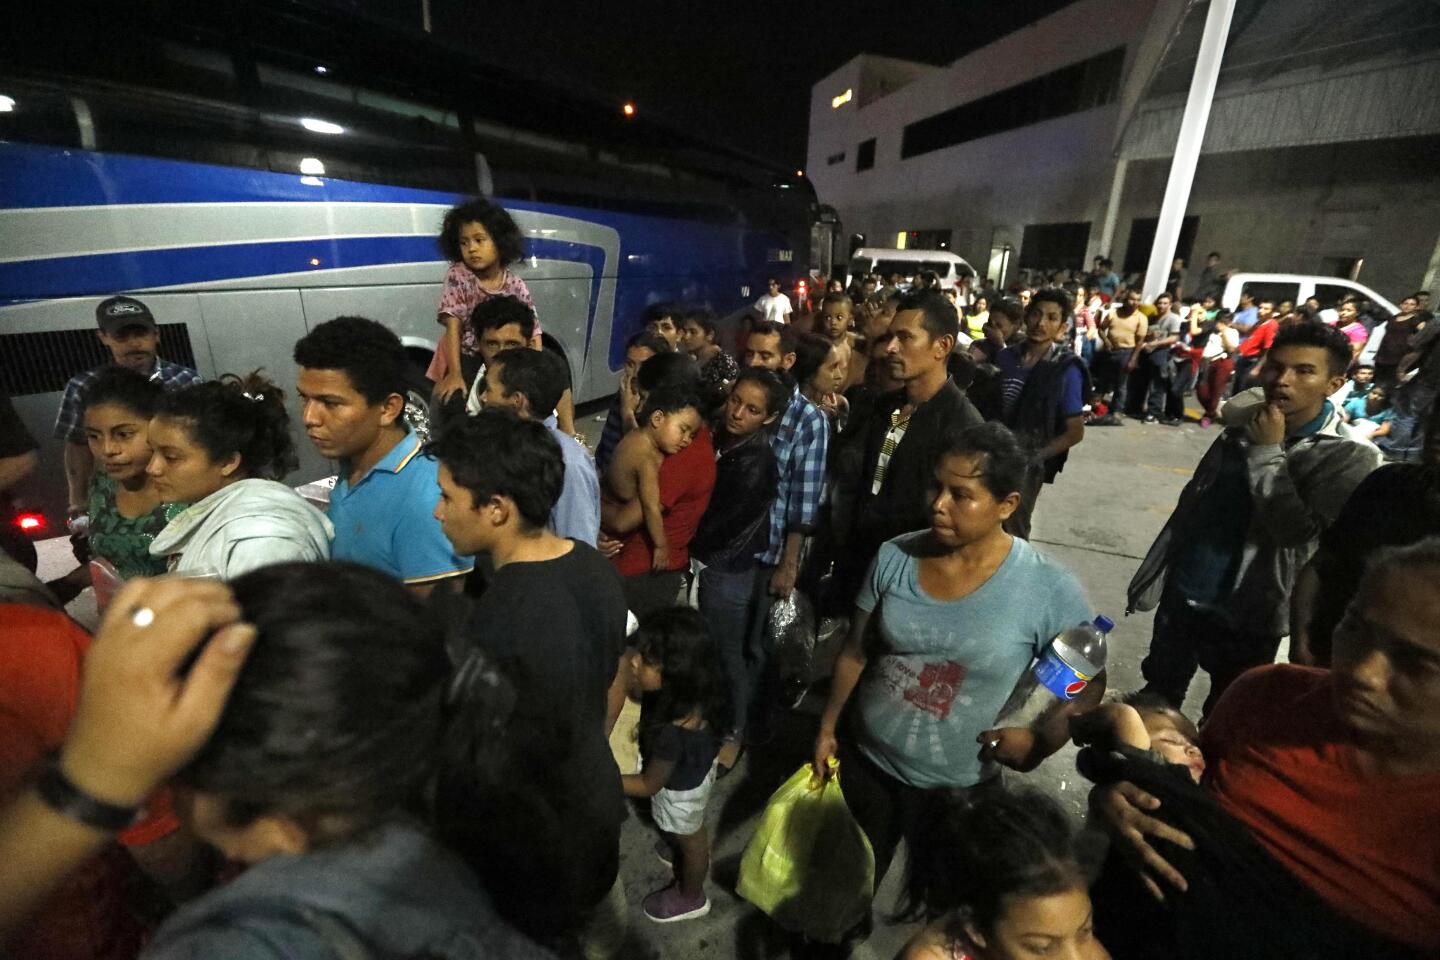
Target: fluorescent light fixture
320 126
842 99
7 104
321 69
312 166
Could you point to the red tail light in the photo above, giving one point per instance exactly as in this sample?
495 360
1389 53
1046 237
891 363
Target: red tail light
30 522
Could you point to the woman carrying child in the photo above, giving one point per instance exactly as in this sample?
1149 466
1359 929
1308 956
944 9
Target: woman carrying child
674 660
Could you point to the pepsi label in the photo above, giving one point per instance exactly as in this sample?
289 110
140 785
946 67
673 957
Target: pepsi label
1057 676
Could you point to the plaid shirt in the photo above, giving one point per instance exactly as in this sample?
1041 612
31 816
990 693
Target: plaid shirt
800 445
70 423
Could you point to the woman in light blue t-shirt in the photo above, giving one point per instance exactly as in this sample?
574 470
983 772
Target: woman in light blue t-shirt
946 624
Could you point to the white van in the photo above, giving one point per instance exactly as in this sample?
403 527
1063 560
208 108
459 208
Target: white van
885 261
1296 287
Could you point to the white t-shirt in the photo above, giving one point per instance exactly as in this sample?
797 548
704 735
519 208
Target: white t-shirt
775 309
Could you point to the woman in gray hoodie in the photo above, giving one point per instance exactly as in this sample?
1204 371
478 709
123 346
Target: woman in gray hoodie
222 446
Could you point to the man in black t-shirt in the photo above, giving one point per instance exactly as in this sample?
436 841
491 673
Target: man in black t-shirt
17 461
552 620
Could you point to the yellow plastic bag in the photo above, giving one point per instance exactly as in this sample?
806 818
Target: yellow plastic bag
809 865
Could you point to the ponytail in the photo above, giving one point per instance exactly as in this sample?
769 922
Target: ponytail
244 415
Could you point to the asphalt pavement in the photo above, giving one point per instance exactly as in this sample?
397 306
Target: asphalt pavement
1098 519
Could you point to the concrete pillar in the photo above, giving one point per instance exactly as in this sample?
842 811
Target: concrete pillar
1112 212
1187 145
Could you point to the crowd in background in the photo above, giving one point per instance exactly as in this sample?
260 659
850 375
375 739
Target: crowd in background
403 716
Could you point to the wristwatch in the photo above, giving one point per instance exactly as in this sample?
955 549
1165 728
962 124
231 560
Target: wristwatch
64 797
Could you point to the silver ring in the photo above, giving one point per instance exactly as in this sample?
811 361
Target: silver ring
142 616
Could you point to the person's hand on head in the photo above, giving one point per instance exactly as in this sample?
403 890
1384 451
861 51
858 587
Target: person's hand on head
1118 808
449 385
138 720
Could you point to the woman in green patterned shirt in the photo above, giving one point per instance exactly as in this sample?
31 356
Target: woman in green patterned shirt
125 508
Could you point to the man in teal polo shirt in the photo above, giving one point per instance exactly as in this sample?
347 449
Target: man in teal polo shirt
352 385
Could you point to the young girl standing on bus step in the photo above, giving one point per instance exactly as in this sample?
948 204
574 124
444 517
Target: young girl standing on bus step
481 240
674 660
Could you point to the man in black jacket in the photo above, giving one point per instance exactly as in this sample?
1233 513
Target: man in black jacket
890 484
1043 386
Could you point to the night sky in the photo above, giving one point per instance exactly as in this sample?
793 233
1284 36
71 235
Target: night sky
738 73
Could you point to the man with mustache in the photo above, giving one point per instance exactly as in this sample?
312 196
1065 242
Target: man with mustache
1223 568
129 332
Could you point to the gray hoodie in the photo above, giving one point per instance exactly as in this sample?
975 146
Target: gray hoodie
392 895
249 524
1297 487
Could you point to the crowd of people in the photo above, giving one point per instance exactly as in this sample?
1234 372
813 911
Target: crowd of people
404 720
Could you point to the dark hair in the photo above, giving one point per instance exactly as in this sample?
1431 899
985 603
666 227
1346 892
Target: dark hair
811 352
1212 253
1009 308
492 313
702 317
123 387
841 298
668 398
509 241
777 393
676 640
1107 262
1148 701
1007 842
1224 316
498 454
1003 461
769 328
237 415
650 340
337 712
368 353
938 315
539 374
929 277
658 311
668 368
1312 333
1066 302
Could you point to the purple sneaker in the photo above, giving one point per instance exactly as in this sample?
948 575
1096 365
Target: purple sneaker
670 905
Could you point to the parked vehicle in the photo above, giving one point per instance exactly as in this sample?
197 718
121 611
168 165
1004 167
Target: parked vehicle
947 266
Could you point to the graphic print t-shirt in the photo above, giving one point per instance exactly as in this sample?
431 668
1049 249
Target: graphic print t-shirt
945 668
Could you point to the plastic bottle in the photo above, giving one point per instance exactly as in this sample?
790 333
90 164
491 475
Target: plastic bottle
1062 672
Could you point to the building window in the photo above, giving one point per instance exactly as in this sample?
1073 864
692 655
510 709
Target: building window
865 155
1054 246
1142 238
835 158
1080 86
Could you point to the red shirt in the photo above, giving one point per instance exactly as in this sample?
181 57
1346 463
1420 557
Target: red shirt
86 917
1369 845
1260 339
686 481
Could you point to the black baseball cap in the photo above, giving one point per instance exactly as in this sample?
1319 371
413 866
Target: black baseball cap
117 313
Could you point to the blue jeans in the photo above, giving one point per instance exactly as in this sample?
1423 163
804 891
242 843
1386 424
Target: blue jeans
1118 361
735 607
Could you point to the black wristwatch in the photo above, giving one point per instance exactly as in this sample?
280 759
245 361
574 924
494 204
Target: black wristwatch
65 798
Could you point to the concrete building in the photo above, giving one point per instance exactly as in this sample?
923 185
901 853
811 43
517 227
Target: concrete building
1052 145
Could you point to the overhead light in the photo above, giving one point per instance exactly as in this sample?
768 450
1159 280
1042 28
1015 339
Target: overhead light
312 181
7 104
842 99
799 173
312 166
320 126
628 109
321 69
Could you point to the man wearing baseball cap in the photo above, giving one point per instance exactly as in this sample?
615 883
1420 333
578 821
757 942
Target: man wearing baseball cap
128 330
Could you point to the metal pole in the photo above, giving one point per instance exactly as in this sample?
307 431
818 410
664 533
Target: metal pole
425 15
1187 145
1112 211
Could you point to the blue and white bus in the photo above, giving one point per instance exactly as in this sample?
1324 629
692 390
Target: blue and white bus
262 167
